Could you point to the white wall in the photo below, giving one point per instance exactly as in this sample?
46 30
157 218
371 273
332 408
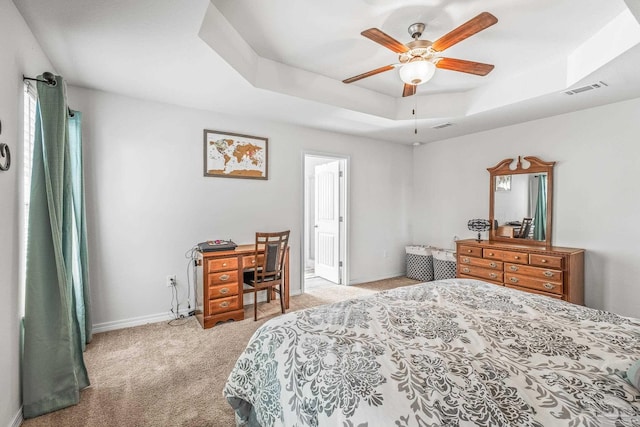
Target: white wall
596 196
148 202
20 54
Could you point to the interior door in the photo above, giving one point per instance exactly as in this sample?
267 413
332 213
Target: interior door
327 221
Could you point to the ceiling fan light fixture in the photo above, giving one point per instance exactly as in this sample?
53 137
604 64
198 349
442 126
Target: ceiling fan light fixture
417 72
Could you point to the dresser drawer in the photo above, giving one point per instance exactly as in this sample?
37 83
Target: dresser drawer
534 291
546 260
250 261
222 291
508 256
222 305
224 277
222 264
480 262
482 273
531 283
470 250
539 273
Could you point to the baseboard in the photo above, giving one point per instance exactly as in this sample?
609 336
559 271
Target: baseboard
374 279
17 420
135 321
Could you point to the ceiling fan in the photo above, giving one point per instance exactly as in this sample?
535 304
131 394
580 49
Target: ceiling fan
420 58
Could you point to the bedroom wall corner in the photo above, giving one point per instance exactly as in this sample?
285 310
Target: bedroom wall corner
595 179
20 54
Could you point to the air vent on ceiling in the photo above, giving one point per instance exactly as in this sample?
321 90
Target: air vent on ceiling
598 85
442 125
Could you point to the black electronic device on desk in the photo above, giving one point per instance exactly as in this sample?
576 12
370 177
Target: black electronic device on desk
216 245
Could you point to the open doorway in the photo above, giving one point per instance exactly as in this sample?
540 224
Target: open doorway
325 221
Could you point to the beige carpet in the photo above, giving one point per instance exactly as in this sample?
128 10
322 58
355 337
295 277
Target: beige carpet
162 375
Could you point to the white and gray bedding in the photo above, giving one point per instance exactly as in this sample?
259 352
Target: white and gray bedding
447 353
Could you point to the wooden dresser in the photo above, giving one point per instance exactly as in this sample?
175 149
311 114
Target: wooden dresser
552 271
219 283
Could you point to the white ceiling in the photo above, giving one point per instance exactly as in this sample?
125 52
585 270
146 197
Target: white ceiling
284 60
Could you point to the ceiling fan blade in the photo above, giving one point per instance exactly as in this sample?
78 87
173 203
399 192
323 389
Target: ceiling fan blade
409 90
385 40
469 28
477 68
369 73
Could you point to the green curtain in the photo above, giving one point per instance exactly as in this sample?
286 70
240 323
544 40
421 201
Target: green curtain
540 219
56 294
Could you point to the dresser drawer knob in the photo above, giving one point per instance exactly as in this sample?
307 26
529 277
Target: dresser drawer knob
465 259
224 277
516 257
490 253
469 250
493 265
513 268
493 275
224 290
224 264
224 304
513 279
548 286
253 261
465 270
548 273
543 261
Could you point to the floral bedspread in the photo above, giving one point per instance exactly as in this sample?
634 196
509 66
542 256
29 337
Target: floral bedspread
448 353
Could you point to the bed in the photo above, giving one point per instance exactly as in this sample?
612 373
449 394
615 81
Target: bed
456 352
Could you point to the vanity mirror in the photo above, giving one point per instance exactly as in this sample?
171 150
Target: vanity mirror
520 201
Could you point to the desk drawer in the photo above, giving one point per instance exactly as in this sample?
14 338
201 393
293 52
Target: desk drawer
222 264
479 272
222 291
224 277
531 283
222 305
250 261
480 262
470 250
546 261
509 256
540 273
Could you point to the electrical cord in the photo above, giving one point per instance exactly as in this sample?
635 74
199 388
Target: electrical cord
178 322
192 256
178 319
174 299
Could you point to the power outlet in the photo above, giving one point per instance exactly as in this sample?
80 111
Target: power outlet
171 280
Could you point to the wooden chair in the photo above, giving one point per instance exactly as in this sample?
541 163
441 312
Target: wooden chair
525 228
268 273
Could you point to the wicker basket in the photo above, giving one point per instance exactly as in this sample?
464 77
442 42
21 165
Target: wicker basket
444 264
419 263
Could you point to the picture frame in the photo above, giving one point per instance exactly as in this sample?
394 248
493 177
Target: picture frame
235 155
503 182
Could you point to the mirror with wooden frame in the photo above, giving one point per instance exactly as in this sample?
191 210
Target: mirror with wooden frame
521 201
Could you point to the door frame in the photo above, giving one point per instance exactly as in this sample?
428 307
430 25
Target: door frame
344 211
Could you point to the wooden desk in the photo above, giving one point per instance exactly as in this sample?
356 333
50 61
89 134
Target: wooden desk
507 231
219 284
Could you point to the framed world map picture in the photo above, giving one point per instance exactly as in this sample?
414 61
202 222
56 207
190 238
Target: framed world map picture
232 155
